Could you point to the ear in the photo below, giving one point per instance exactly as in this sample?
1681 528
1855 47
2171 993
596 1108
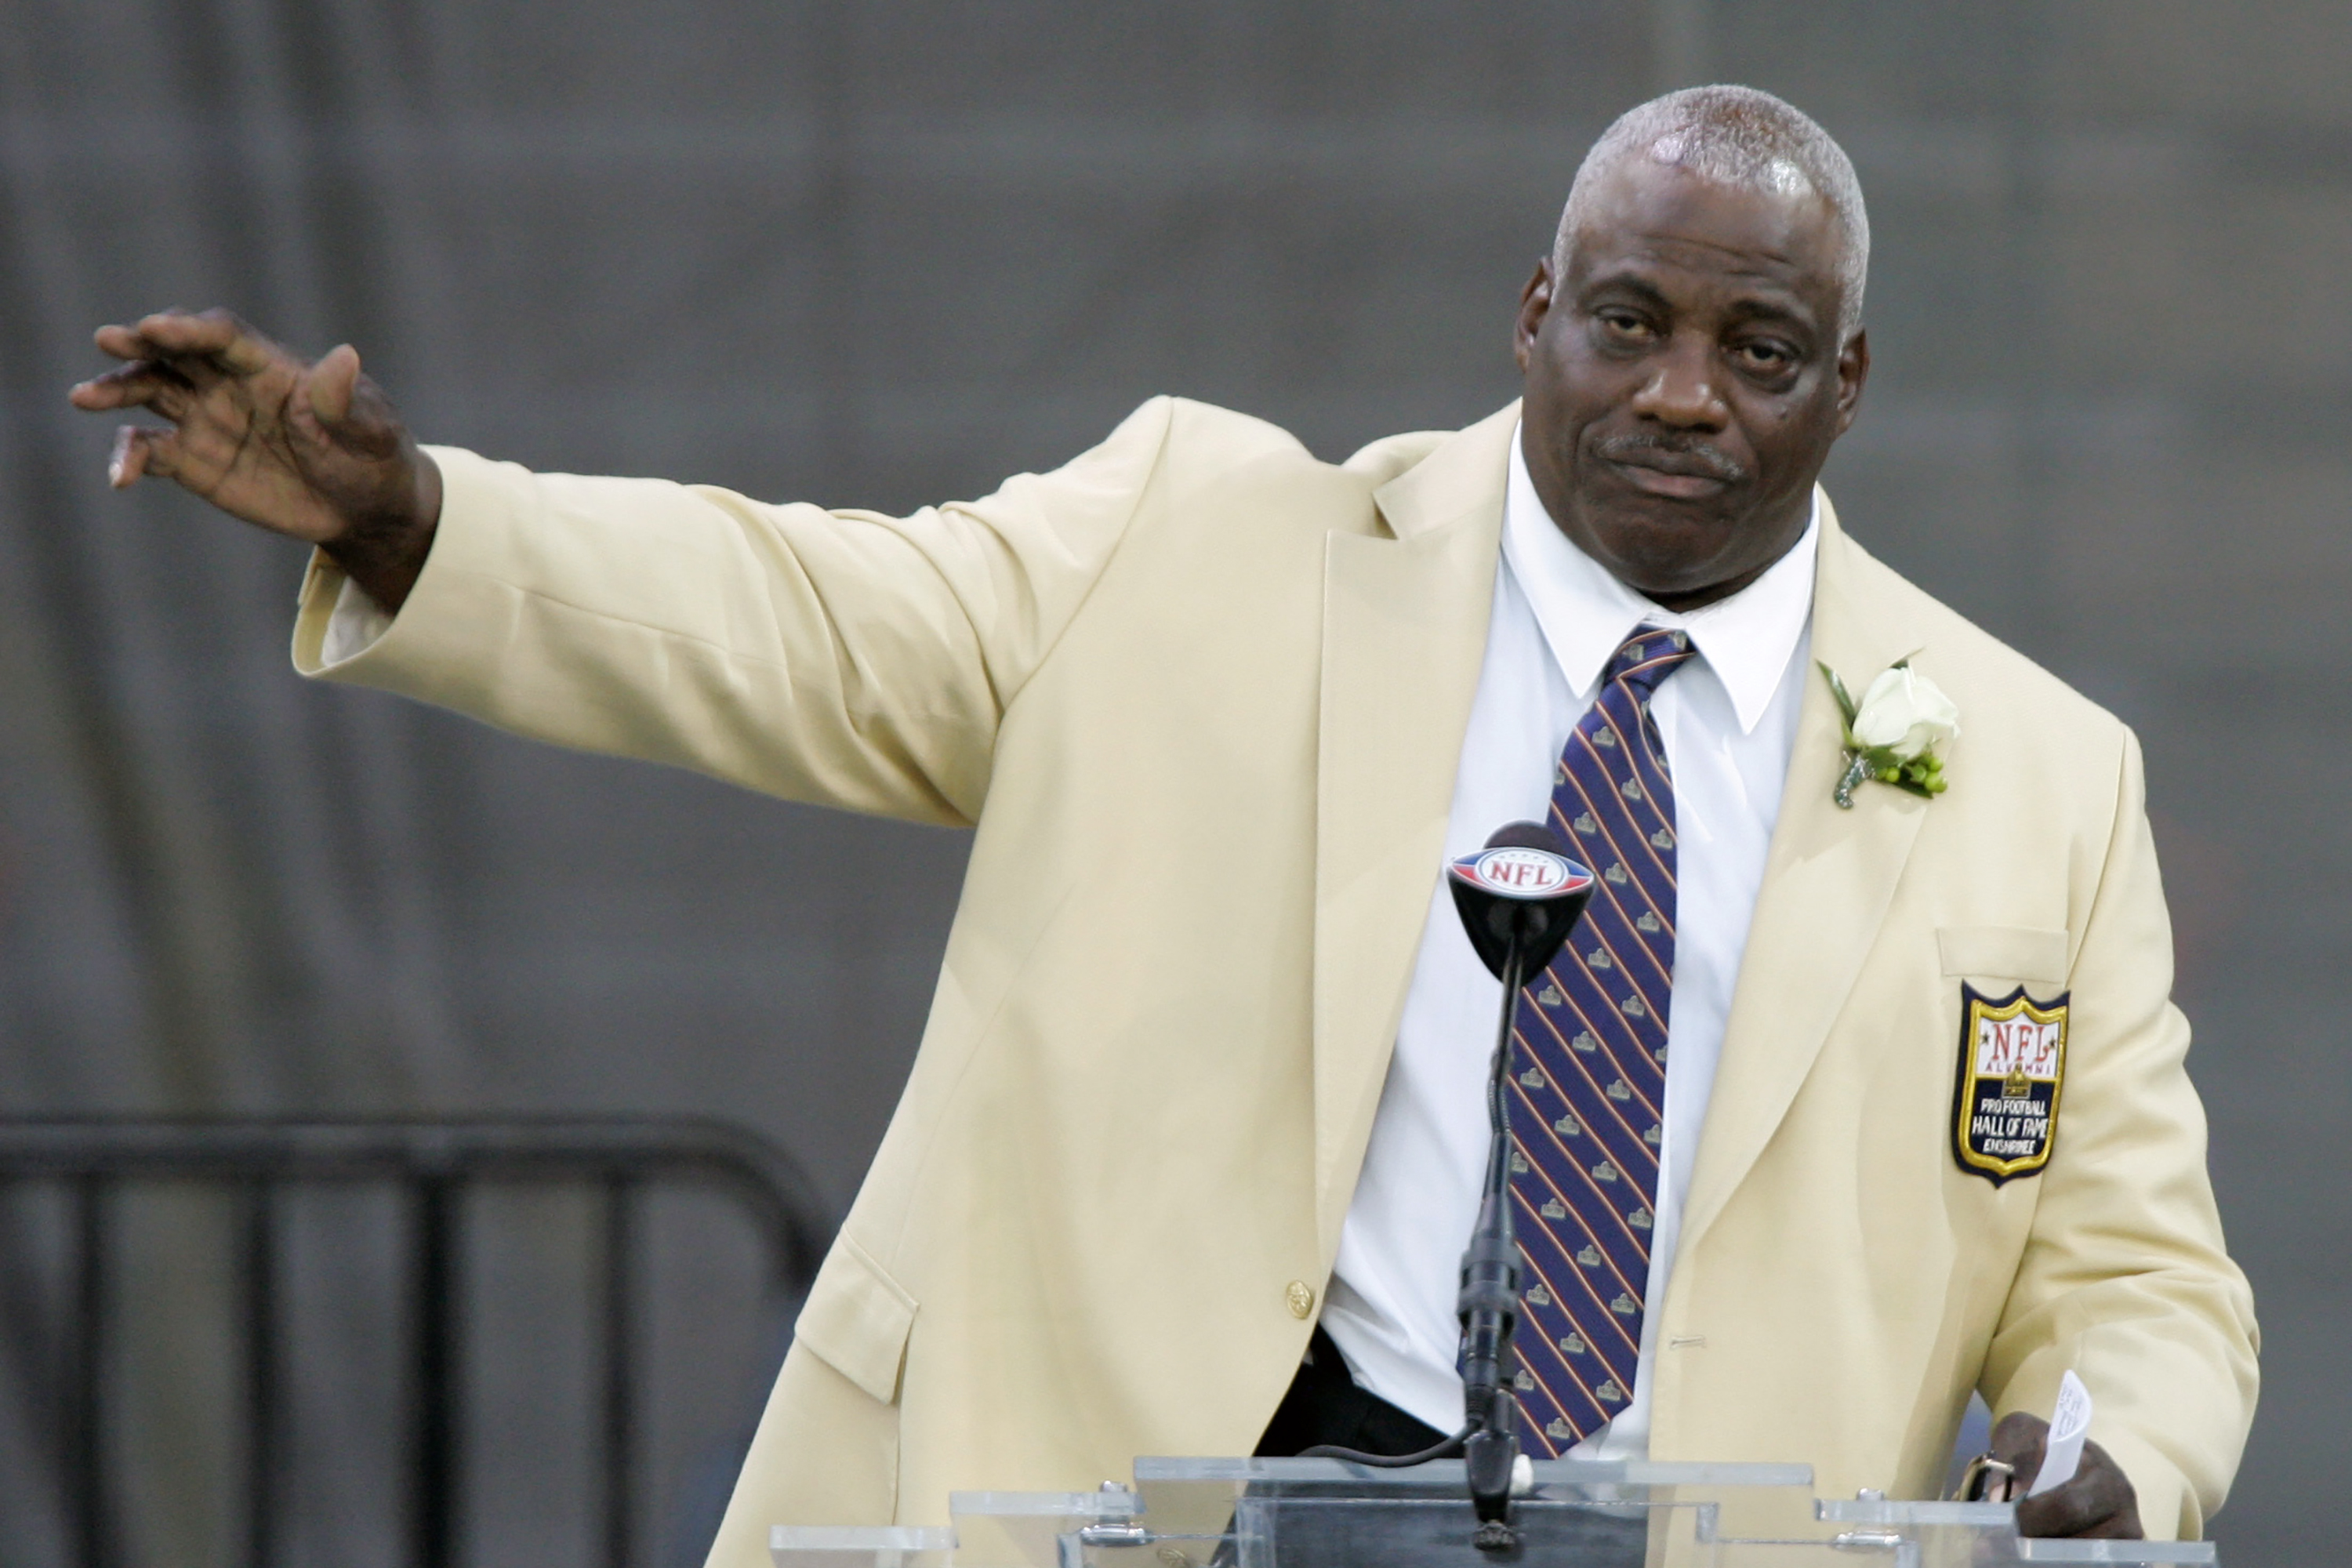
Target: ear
1534 304
1853 368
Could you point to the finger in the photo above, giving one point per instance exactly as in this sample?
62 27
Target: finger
139 449
133 343
122 342
214 334
163 334
2018 1441
100 393
2078 1508
144 384
331 383
2019 1438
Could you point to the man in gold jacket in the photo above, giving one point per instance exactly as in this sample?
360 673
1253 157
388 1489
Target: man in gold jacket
1203 699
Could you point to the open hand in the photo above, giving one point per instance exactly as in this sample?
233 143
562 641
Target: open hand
309 450
2098 1501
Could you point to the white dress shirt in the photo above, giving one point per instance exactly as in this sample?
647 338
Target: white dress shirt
352 630
1728 719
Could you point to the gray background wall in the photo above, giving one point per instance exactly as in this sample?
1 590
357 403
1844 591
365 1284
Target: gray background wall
883 255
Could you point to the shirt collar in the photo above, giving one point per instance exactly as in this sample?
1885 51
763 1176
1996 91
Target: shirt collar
1586 614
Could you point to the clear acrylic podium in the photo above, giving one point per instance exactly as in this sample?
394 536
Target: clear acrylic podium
1324 1513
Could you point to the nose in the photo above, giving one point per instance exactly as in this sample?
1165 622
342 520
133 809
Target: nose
1681 391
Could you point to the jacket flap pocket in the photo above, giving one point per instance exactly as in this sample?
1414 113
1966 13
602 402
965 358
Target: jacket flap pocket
857 1320
2005 952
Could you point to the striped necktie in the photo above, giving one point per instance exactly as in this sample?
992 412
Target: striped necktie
1588 1070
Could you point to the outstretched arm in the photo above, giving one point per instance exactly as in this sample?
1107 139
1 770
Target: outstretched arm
844 658
312 451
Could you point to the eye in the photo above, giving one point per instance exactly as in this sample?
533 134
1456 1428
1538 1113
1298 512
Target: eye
1623 325
1763 357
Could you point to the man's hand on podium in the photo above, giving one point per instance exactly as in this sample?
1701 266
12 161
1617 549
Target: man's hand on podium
309 450
2098 1501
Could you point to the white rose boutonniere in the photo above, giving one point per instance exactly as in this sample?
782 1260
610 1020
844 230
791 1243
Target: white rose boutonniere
1891 735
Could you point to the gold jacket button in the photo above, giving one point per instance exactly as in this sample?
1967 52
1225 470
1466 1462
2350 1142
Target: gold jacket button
1299 1297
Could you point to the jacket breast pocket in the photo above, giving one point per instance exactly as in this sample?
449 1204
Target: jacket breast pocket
857 1320
2028 955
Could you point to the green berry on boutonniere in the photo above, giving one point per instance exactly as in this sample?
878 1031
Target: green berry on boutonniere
1891 735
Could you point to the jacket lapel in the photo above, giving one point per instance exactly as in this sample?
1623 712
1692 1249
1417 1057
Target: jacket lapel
1405 631
1829 878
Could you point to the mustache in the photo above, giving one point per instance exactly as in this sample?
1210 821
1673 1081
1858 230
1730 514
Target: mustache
1673 455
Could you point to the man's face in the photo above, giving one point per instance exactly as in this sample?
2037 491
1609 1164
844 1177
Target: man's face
1684 379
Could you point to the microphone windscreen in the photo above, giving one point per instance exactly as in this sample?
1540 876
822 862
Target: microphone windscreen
1529 835
1523 890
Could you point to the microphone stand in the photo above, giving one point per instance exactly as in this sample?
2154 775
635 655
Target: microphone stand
1519 898
1489 1305
1489 1302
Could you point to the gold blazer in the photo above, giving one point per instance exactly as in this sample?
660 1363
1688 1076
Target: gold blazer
1202 698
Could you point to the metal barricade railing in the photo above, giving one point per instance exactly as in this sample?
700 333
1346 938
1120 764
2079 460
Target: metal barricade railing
435 1162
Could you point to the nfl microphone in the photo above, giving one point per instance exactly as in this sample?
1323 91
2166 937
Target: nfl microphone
1518 898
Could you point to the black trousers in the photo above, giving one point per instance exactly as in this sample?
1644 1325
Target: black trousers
1325 1406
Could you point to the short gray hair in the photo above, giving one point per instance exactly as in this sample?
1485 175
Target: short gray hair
1738 136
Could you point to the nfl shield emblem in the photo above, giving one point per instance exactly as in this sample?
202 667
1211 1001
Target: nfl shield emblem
2012 1067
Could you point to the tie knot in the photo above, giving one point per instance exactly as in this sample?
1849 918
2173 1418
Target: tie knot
1644 659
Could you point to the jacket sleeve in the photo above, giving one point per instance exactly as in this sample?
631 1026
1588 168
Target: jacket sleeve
839 657
2124 1276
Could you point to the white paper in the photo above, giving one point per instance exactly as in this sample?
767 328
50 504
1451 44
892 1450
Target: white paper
2069 1424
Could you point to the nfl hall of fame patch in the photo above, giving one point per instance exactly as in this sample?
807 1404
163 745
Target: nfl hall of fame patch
2012 1068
